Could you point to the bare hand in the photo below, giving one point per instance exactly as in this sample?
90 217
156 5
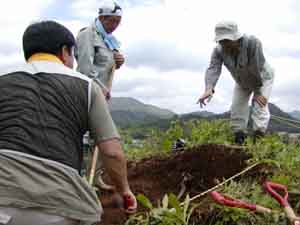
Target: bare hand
129 202
119 59
106 93
260 100
108 96
206 96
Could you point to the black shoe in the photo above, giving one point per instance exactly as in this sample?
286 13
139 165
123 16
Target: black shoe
257 135
239 137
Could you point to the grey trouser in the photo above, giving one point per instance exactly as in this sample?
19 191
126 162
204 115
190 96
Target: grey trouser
240 110
14 216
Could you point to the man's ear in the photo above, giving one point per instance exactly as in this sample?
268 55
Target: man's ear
66 56
61 53
65 52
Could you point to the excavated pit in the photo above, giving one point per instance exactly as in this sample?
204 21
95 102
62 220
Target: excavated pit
199 168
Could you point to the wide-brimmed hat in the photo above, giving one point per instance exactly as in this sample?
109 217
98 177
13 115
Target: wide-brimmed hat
109 8
227 30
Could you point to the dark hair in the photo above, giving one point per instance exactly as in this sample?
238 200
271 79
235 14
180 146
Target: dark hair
46 37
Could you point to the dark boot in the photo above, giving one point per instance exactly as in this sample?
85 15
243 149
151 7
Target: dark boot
257 135
239 137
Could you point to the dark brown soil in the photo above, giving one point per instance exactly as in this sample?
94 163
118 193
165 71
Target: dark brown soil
202 167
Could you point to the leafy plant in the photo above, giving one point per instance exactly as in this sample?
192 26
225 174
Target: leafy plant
169 212
204 132
283 161
286 158
250 192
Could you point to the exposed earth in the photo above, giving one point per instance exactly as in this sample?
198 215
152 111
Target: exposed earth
199 169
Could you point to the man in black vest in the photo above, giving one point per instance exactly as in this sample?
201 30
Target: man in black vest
45 108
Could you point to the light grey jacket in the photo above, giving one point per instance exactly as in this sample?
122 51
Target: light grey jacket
250 69
94 59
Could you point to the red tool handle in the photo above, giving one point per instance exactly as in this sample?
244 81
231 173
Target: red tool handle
228 201
128 201
272 187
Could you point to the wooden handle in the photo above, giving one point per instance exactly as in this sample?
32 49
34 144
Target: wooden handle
290 214
109 83
94 164
262 209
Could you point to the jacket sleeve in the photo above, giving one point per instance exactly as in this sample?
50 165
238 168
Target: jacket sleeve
214 69
259 67
256 58
101 125
85 53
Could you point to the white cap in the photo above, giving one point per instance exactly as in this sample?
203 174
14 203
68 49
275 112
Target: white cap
109 8
227 30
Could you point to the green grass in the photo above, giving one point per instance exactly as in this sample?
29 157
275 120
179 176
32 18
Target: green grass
283 166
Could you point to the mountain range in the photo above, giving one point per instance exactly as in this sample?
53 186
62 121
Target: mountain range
128 112
295 114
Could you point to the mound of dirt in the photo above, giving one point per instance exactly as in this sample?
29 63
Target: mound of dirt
191 171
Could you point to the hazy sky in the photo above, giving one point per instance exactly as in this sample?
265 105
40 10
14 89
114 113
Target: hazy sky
168 43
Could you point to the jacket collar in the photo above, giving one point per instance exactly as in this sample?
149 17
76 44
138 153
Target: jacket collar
44 57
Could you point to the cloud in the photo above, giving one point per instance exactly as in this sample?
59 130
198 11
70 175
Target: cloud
187 29
162 56
293 53
138 3
168 43
14 18
7 48
85 9
286 83
177 90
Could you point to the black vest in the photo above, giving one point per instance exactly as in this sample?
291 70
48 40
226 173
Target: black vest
45 114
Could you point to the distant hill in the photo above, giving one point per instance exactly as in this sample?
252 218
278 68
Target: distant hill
131 112
275 124
295 114
199 113
281 126
128 112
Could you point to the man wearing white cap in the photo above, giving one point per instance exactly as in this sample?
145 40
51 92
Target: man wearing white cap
98 55
243 56
98 51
